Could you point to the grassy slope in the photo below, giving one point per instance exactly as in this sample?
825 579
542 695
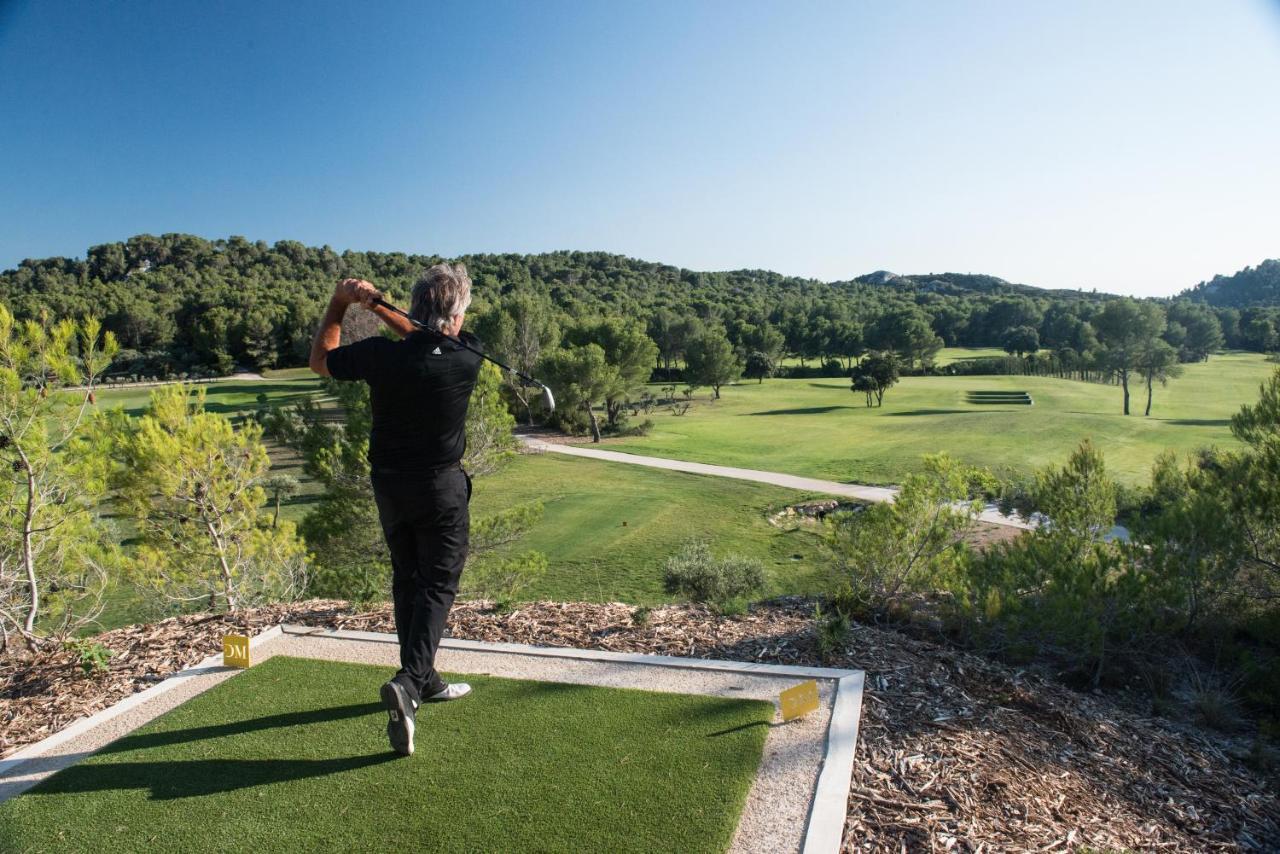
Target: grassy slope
291 756
615 562
814 427
595 557
819 428
947 355
229 397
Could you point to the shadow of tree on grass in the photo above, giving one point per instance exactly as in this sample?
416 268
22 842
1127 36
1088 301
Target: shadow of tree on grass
809 410
911 412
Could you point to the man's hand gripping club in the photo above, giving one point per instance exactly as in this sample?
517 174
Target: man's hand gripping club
329 335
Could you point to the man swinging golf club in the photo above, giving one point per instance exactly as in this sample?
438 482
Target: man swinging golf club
419 390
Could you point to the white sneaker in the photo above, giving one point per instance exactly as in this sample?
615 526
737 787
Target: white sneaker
449 692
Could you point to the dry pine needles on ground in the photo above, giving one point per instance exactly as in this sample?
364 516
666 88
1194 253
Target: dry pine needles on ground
955 752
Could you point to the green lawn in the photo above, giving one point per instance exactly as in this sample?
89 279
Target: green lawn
608 527
230 397
291 755
948 355
945 356
809 427
819 428
290 374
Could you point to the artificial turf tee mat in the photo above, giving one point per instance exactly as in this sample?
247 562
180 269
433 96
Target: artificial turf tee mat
292 755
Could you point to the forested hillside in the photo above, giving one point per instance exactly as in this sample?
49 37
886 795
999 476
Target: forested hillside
963 284
1252 286
181 303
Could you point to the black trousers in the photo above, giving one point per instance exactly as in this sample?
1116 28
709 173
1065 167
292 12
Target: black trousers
426 522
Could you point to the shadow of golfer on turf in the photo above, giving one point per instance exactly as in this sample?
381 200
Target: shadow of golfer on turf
188 778
142 741
198 777
746 726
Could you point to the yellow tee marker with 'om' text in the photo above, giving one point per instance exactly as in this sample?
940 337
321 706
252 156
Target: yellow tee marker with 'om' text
235 651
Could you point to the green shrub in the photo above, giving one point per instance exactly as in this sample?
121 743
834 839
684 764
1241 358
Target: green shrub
1061 589
622 430
352 561
573 421
847 603
698 575
92 656
502 580
832 632
362 583
734 607
914 543
1215 699
505 526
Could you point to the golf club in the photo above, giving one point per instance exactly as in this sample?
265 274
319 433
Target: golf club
547 397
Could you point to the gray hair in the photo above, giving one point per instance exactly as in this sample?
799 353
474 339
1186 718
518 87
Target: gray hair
443 293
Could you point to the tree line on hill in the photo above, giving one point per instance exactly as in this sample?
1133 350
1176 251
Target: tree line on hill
182 306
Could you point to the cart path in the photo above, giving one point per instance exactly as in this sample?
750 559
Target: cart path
806 484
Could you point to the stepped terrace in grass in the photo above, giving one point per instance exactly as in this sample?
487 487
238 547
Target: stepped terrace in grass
996 398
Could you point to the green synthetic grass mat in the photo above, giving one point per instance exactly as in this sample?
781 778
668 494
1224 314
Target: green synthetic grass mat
291 755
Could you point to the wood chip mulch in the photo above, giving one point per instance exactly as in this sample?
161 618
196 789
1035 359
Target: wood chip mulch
955 753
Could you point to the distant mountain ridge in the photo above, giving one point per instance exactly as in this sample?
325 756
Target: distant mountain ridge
1248 288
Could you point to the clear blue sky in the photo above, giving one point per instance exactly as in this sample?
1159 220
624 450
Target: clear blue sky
1128 146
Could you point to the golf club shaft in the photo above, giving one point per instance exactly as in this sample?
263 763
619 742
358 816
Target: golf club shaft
458 341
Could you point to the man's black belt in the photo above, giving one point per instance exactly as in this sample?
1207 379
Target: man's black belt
416 470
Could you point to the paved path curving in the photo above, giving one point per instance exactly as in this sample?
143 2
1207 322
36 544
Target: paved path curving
807 484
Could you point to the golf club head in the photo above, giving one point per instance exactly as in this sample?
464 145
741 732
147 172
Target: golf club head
549 399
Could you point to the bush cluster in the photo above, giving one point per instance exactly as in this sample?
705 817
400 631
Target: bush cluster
1199 568
722 582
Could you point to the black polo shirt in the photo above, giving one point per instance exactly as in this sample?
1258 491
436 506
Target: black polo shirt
419 388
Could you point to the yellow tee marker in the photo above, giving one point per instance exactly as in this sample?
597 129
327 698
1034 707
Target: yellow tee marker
799 700
235 651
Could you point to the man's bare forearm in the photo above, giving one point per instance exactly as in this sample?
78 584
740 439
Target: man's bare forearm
328 335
